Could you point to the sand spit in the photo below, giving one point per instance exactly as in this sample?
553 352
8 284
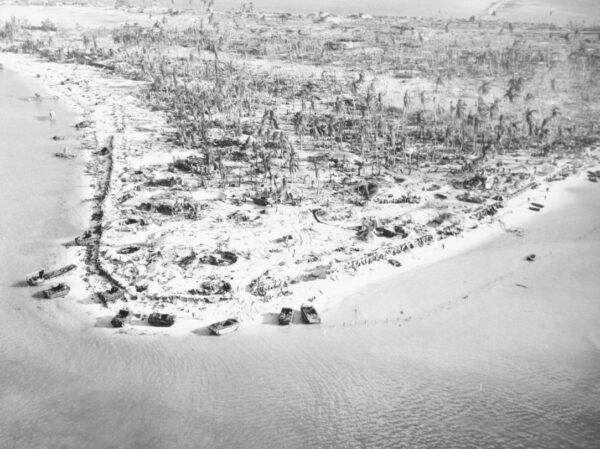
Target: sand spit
223 189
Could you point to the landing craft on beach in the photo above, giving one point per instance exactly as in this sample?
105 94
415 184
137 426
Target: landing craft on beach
83 124
224 327
309 314
161 319
41 276
58 291
286 315
64 154
121 318
87 238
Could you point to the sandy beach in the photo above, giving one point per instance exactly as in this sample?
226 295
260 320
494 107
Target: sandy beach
285 255
448 345
113 115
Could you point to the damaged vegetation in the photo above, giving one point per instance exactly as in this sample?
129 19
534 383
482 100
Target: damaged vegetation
303 148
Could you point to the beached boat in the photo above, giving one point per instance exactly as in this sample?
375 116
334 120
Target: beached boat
39 277
121 318
535 209
36 278
112 295
224 327
58 291
161 319
86 239
309 314
83 124
64 155
538 205
286 315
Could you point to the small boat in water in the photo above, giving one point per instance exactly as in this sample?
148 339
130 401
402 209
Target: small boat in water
121 318
161 319
64 155
530 258
58 291
535 209
309 314
286 315
39 277
224 327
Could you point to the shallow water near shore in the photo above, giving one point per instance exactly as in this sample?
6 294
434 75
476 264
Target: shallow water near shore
507 366
549 11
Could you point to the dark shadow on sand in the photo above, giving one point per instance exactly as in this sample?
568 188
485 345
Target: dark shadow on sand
203 332
39 295
270 319
20 284
104 321
297 318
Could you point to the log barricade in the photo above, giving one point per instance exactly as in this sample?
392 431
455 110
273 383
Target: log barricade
382 253
485 211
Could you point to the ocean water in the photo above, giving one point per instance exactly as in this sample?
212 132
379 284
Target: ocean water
378 7
560 11
507 367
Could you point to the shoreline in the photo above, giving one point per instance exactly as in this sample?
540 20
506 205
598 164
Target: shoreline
466 344
102 131
525 11
130 161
